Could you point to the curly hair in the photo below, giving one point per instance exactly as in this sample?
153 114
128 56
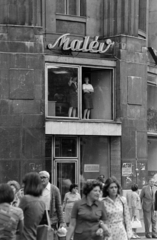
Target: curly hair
89 185
108 182
134 187
15 184
72 186
6 193
32 184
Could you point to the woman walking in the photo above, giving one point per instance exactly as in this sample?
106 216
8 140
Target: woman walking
134 204
88 215
69 199
118 218
32 205
11 218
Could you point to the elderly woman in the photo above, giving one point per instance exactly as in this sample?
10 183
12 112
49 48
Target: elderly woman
88 215
16 187
118 218
68 202
134 203
11 218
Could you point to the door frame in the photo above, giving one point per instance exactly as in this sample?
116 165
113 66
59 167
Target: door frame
65 160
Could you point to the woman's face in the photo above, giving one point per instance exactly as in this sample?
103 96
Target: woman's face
95 193
75 190
86 80
113 190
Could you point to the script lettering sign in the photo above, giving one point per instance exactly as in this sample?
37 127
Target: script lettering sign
84 45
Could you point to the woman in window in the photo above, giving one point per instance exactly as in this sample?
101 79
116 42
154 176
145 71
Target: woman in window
87 97
73 96
69 199
32 205
118 217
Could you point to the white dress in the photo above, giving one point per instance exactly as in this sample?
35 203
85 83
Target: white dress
69 200
117 214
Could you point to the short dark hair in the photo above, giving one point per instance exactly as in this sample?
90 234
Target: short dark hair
6 193
33 184
101 178
108 182
134 187
89 185
74 185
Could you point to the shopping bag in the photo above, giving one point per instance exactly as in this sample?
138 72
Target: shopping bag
136 223
45 232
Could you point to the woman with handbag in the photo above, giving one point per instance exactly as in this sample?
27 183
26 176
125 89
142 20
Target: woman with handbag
118 218
32 205
134 203
88 215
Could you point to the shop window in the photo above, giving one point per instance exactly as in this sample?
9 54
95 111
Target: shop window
71 7
70 96
62 91
100 99
65 147
152 107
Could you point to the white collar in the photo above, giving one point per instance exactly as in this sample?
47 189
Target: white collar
48 186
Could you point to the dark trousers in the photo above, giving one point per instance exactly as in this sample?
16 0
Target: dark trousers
149 219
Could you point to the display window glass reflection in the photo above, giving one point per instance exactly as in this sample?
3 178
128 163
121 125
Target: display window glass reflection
78 92
62 91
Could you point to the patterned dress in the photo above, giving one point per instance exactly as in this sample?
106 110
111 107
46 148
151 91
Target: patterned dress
118 218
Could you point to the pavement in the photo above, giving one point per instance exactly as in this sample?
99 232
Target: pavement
144 238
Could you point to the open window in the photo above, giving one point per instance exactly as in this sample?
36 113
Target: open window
79 92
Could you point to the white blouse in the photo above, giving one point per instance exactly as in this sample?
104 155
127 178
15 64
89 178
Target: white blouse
88 87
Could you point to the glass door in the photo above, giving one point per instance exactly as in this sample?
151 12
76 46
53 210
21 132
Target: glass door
65 173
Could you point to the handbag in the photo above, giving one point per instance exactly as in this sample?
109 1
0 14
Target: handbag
44 231
136 223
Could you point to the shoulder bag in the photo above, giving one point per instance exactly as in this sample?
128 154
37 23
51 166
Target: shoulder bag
44 231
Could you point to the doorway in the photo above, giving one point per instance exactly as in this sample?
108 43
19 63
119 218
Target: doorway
65 173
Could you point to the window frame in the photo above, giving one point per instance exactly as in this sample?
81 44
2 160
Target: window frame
79 67
66 10
67 137
48 66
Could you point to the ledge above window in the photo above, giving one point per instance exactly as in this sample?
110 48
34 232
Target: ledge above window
71 18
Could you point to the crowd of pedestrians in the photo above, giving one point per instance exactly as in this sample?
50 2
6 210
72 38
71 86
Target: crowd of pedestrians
101 214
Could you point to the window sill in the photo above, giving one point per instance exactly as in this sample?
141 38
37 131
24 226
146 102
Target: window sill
142 34
71 18
53 119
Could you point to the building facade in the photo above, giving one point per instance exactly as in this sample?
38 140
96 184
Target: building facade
48 50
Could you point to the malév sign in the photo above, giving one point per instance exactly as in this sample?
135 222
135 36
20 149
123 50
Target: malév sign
84 45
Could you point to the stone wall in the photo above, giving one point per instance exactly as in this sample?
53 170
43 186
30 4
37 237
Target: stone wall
21 90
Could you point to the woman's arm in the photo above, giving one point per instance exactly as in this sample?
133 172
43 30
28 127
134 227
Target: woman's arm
20 227
91 89
64 202
71 228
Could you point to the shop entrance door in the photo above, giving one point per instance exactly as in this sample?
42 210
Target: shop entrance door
65 173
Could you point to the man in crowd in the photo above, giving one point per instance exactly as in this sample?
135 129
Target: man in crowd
52 199
147 199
